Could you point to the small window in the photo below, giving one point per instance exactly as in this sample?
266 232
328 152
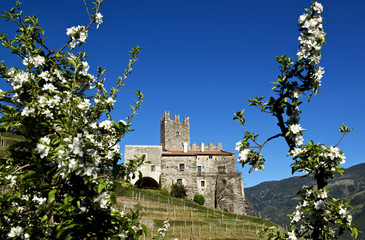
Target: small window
210 157
179 181
177 133
222 169
199 170
202 183
181 166
153 168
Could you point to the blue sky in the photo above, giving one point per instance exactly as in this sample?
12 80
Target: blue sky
203 59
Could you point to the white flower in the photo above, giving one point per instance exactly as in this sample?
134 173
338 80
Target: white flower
335 153
322 195
243 155
12 180
319 73
302 18
299 140
85 104
83 36
17 80
238 146
49 86
48 113
72 164
35 61
16 232
85 67
291 236
342 212
106 124
25 197
349 218
39 200
28 111
312 35
296 93
99 18
296 216
318 7
295 128
123 122
162 231
296 151
110 101
319 204
73 32
42 147
45 75
102 199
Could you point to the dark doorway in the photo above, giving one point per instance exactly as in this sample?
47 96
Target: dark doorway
147 182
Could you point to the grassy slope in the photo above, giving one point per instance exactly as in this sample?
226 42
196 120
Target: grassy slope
188 220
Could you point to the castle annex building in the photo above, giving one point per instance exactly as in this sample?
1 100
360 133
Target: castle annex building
203 169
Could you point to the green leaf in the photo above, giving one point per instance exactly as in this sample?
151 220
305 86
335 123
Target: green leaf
101 186
65 230
51 194
44 218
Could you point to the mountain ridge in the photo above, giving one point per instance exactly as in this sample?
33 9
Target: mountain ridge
275 199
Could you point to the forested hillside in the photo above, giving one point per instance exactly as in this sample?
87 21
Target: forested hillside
274 200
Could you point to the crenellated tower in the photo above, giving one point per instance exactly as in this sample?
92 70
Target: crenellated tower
174 134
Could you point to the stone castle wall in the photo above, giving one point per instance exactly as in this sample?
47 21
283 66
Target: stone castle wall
207 169
171 172
152 154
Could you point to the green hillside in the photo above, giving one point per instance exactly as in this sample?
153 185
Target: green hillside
274 200
187 219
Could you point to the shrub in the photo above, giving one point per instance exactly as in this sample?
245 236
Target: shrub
199 199
178 190
164 192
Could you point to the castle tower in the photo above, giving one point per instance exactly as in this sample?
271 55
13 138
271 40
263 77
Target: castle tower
174 133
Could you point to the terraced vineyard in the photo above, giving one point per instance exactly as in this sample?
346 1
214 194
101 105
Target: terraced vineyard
187 219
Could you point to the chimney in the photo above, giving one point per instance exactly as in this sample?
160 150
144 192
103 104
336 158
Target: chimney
202 147
185 144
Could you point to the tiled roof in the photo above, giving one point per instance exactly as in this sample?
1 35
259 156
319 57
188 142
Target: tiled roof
195 153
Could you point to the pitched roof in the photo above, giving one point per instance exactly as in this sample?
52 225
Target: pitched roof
195 153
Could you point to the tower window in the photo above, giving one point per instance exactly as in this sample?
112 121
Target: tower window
199 170
177 133
179 181
202 183
210 157
153 168
182 166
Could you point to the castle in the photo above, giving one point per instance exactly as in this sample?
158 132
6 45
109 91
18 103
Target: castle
206 170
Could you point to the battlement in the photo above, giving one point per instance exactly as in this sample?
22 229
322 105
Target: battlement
166 117
202 147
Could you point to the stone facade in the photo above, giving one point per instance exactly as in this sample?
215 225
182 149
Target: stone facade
203 169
